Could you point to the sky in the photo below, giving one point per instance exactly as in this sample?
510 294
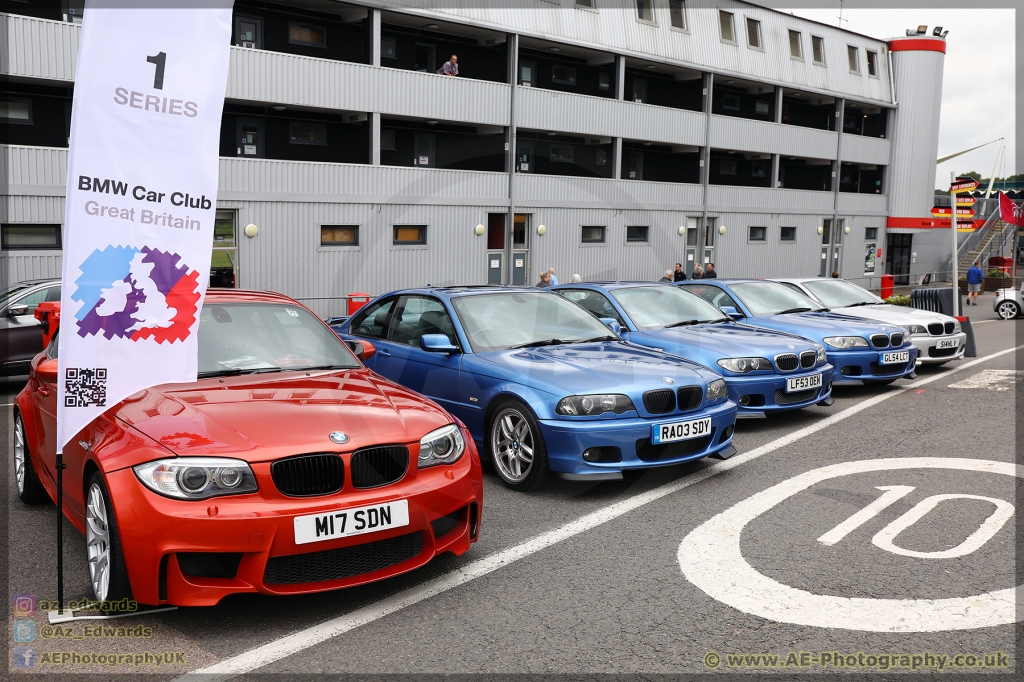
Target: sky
977 80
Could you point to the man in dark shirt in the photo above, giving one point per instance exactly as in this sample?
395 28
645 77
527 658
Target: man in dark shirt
450 67
678 275
709 272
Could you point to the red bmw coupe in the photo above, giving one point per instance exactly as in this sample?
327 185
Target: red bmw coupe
286 468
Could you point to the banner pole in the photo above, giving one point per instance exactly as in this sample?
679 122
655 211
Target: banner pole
60 532
952 224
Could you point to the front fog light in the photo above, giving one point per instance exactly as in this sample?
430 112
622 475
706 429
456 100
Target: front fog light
441 446
197 478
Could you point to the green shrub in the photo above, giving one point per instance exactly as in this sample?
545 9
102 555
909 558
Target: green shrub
997 273
898 299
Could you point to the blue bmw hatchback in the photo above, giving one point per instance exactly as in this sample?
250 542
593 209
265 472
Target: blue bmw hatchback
862 351
543 385
765 370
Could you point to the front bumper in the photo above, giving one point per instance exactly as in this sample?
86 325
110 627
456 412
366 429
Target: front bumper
758 395
859 367
627 441
259 527
928 353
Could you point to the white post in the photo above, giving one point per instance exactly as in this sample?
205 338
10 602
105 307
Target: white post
995 166
952 224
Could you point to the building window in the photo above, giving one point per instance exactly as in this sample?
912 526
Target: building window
388 48
601 157
300 132
677 13
636 233
645 10
387 139
563 74
872 64
870 233
818 49
731 102
304 34
16 111
410 234
796 46
788 234
592 234
758 234
725 24
853 54
526 73
753 33
639 90
757 169
562 153
727 167
763 108
339 235
604 81
24 237
585 3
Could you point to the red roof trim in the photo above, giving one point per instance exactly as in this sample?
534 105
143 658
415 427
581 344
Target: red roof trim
927 44
930 223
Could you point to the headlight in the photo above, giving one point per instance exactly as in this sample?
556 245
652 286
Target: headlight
197 478
744 365
442 446
579 405
822 356
956 326
717 389
912 329
844 342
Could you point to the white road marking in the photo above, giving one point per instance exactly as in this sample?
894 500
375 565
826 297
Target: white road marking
992 379
303 639
895 492
710 558
884 539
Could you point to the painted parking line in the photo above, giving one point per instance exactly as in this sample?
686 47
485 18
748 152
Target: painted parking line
303 639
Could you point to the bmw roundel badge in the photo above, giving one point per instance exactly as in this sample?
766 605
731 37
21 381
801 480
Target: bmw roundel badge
339 437
668 380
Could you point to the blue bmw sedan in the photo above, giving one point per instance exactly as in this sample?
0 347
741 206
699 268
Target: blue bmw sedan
765 370
861 351
543 385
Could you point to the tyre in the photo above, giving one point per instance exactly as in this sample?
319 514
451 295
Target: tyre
517 447
107 572
1008 310
30 490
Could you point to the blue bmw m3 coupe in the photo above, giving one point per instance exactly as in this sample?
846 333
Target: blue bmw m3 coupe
543 385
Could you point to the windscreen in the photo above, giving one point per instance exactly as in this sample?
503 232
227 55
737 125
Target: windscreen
836 293
660 306
257 337
522 319
772 298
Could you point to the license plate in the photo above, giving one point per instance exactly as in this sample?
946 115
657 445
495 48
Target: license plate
947 343
348 522
803 383
673 431
895 358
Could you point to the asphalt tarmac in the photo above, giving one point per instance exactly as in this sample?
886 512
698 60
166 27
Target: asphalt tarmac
682 569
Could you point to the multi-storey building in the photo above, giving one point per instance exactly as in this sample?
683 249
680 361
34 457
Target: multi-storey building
608 138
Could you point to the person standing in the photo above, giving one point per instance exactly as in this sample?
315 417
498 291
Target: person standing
667 277
576 279
974 279
450 67
710 272
698 271
678 275
545 280
554 279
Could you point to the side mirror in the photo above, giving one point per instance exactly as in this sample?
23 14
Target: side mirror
437 343
364 350
47 370
612 324
17 310
731 312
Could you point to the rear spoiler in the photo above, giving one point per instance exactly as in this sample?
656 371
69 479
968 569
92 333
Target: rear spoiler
48 315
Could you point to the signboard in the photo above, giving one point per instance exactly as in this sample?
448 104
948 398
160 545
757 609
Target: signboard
141 200
966 201
946 212
963 186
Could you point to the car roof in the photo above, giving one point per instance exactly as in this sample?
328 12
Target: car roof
30 283
246 296
466 290
723 280
612 284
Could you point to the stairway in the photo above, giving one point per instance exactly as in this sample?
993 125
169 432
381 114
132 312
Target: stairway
991 241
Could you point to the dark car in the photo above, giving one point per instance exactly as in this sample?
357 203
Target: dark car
21 337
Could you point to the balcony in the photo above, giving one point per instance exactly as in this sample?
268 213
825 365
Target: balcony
766 200
871 150
38 49
771 138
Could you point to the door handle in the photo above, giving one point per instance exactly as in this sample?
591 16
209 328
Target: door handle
43 391
385 352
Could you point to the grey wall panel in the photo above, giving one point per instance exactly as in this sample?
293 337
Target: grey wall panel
38 48
270 180
743 134
538 190
736 256
860 149
568 112
33 170
18 266
29 209
273 77
915 132
871 204
722 198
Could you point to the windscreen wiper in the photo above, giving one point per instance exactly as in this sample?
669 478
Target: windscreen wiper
857 305
606 337
534 344
319 367
794 310
237 370
681 324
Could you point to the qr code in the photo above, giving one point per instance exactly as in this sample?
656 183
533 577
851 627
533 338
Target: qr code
85 387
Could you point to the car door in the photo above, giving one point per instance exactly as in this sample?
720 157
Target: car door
21 335
400 358
43 397
373 322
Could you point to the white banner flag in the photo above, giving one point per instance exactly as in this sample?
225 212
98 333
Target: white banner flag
141 199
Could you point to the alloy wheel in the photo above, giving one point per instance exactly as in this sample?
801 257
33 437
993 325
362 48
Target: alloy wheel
512 444
19 454
1007 310
97 541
